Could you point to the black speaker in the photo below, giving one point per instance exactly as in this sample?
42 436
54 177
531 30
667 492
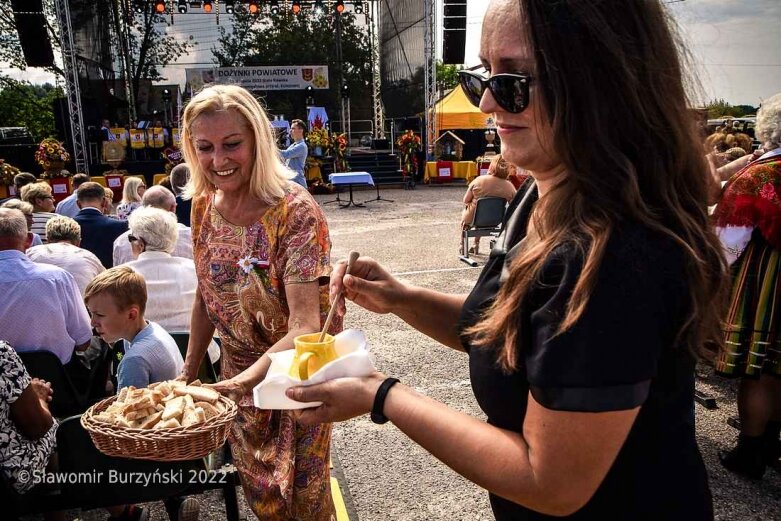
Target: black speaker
31 26
454 31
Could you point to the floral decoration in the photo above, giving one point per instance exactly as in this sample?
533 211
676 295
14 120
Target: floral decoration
7 173
408 144
768 191
250 264
318 135
51 154
339 149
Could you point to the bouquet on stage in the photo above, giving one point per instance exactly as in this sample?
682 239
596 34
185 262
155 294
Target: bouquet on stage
52 156
408 144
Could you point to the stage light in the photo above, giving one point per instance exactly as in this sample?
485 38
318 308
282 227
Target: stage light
358 7
229 7
345 91
253 7
159 6
207 6
319 9
339 7
182 6
138 6
296 7
274 7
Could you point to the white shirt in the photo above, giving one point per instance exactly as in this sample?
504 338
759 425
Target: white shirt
39 223
170 287
41 308
184 246
82 264
68 206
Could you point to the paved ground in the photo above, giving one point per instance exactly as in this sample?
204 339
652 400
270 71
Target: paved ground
386 476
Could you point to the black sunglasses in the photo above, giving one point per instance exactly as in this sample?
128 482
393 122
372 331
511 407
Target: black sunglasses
510 90
132 238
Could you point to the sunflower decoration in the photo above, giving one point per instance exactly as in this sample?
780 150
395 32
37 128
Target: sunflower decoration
7 173
318 137
52 156
409 144
339 147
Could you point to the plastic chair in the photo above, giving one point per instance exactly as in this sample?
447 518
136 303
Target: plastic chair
486 222
206 373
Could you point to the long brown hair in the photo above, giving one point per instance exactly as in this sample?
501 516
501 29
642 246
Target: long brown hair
610 78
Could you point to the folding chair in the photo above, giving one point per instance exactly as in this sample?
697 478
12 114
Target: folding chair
206 373
486 222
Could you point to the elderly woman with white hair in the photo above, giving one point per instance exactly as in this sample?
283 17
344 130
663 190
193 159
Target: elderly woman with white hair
27 210
748 220
63 250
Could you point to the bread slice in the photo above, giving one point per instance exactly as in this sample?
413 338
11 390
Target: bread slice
150 421
173 409
168 424
200 394
209 410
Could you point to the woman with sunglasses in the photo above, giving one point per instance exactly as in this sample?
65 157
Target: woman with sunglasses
584 327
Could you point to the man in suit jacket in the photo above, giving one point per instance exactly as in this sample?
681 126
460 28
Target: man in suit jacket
97 231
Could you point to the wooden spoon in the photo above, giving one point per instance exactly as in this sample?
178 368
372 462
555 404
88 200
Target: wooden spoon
350 261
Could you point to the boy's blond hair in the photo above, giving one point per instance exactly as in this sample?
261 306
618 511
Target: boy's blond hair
126 287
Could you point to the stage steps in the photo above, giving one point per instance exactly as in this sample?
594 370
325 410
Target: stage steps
382 166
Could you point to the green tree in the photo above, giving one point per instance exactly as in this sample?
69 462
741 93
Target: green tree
718 108
303 39
26 105
447 75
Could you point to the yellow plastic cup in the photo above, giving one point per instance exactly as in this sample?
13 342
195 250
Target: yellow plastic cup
311 355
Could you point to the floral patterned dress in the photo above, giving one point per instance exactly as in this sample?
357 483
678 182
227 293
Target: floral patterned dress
284 467
748 220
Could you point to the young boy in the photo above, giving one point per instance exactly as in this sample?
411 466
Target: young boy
116 300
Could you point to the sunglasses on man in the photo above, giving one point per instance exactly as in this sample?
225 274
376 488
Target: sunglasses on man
510 90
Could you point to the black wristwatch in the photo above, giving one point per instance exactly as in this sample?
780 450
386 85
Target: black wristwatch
379 400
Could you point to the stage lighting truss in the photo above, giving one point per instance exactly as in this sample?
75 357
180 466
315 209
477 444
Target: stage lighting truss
339 6
253 7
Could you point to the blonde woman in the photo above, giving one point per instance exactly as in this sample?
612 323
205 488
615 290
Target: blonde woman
131 197
262 256
40 196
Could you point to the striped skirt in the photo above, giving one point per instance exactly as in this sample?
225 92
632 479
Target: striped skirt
752 345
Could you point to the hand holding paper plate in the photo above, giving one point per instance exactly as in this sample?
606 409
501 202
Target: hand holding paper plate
315 361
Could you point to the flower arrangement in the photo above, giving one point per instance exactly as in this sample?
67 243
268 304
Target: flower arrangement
339 146
51 155
408 144
318 135
7 173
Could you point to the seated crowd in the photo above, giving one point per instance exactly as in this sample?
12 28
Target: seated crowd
87 282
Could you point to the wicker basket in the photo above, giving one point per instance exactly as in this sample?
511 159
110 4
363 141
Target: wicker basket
176 444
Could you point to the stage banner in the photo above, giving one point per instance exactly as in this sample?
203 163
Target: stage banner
175 137
120 133
155 137
137 139
292 77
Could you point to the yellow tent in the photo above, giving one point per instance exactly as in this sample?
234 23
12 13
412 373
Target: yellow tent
455 112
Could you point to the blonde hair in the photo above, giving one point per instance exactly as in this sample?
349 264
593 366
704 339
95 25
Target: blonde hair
126 287
62 228
269 176
35 191
130 191
17 204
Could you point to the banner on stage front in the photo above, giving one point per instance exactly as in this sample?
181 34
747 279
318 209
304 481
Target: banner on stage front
120 134
293 77
137 139
175 137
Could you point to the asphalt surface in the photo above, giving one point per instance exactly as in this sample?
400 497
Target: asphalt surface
383 474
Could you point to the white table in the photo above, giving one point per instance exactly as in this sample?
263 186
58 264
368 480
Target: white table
350 179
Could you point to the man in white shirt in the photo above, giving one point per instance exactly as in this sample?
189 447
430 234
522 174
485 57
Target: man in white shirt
42 309
63 250
162 198
68 206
